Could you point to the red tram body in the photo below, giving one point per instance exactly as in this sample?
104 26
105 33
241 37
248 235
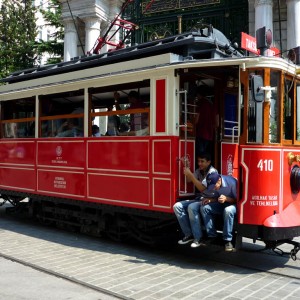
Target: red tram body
127 185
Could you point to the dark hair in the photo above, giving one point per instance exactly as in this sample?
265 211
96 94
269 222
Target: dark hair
204 155
95 128
133 94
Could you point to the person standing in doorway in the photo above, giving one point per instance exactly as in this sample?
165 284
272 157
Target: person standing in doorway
205 122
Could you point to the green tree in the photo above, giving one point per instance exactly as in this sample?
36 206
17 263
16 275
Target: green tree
17 36
54 47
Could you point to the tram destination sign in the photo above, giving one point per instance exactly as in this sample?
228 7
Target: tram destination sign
249 43
161 5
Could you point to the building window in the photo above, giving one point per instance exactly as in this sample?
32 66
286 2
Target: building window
40 34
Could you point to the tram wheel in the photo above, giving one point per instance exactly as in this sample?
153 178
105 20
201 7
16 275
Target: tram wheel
115 229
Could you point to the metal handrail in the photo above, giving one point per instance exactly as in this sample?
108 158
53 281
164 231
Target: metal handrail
185 134
234 130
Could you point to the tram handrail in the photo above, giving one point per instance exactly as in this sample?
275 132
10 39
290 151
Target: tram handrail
185 135
234 130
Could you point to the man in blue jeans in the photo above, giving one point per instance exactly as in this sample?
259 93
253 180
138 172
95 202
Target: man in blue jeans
224 205
188 211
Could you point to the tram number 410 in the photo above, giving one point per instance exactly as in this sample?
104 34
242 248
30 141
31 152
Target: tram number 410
265 165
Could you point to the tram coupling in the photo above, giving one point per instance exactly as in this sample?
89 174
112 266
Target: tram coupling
293 252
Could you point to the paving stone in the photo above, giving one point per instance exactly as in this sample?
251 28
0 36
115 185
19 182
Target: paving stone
148 274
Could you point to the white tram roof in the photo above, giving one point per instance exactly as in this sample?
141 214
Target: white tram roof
183 51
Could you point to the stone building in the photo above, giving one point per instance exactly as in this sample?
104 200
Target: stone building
85 21
44 31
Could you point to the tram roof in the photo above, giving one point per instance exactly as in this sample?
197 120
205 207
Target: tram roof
208 43
90 69
78 79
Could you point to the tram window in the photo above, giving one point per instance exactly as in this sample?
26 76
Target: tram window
298 111
121 110
274 126
62 114
193 100
288 99
196 107
18 118
230 116
255 112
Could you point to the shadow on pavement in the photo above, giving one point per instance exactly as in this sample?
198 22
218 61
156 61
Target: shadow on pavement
250 256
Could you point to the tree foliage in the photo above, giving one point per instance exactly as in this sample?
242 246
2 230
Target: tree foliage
54 47
18 31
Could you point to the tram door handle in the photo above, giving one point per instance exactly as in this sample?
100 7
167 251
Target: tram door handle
184 158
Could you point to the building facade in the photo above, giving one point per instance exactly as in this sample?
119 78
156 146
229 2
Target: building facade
44 31
85 22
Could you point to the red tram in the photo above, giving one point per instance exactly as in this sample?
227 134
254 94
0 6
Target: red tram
126 184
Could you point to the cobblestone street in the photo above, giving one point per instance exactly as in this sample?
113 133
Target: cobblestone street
139 272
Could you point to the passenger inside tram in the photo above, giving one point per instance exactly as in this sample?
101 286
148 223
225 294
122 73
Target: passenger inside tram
113 121
138 123
95 130
204 121
125 115
70 128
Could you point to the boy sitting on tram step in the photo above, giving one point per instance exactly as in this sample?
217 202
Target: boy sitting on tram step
224 204
188 211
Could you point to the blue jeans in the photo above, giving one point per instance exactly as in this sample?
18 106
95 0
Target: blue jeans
227 210
188 216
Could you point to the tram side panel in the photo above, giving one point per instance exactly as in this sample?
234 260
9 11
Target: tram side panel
17 165
118 171
133 172
61 167
286 224
137 172
267 208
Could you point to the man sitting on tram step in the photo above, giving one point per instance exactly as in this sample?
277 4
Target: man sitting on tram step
224 204
188 211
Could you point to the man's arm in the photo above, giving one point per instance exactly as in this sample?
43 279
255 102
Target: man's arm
191 178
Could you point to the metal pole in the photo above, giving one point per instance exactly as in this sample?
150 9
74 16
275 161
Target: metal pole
185 158
179 24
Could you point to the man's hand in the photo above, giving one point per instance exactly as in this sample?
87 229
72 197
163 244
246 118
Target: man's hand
188 173
222 199
206 201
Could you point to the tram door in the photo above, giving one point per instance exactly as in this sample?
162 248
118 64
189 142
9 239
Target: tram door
187 115
229 135
255 110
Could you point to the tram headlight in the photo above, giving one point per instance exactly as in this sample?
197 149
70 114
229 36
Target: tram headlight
295 179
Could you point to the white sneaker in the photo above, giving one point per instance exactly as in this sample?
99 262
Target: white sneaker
185 240
197 244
